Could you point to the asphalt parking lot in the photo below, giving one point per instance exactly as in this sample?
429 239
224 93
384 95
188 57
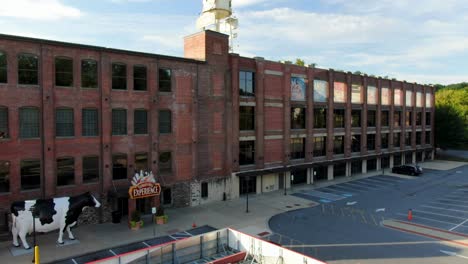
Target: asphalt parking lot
346 227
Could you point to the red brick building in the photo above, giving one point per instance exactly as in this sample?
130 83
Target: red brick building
211 126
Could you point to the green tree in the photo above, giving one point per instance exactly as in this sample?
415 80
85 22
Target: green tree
300 62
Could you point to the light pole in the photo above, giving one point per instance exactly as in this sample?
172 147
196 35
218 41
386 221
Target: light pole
284 180
247 198
153 210
34 215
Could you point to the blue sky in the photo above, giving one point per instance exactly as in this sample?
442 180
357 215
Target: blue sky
418 41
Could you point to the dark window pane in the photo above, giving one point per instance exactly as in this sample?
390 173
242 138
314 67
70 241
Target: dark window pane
320 146
204 189
119 122
356 118
384 118
30 174
428 137
4 122
246 83
370 141
419 118
141 162
246 152
64 125
384 141
90 169
90 126
371 118
4 176
65 171
89 74
29 122
139 78
165 122
119 167
396 140
246 118
298 118
338 145
63 72
165 77
320 118
297 148
3 68
371 165
140 122
27 69
397 119
119 76
408 138
428 118
356 143
339 118
409 118
165 162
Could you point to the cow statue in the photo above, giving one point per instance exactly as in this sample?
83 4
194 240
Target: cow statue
57 213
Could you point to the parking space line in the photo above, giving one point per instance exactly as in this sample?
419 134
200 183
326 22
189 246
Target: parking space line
453 200
459 225
450 204
441 208
344 188
390 178
430 219
331 190
451 216
378 183
383 180
386 183
454 197
357 185
362 181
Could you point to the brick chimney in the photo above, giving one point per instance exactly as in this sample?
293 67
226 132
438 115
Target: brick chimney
209 46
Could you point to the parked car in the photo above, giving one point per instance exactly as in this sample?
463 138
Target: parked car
408 170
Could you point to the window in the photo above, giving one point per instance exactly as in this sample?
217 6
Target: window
4 176
165 162
408 118
408 158
418 118
385 163
246 118
396 160
64 125
90 122
356 143
396 140
418 138
370 141
428 118
371 118
339 118
3 122
371 164
165 122
3 68
356 118
119 76
65 171
204 190
408 138
338 145
30 174
384 118
246 83
140 122
165 80
139 78
297 148
29 122
63 72
141 162
397 119
90 169
356 167
27 69
428 137
119 122
320 146
298 118
246 152
320 118
166 196
119 166
89 74
384 140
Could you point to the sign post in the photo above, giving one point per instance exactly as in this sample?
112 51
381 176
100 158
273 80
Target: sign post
153 211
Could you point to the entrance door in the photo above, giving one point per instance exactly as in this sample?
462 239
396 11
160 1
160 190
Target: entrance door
281 180
247 185
122 204
299 176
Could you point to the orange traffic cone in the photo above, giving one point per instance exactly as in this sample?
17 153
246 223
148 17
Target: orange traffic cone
410 215
194 225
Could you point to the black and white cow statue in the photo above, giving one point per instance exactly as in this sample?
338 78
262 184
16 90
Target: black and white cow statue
57 213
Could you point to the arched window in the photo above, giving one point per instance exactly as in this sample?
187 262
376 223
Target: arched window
3 122
63 72
29 122
28 69
89 74
119 76
64 122
3 68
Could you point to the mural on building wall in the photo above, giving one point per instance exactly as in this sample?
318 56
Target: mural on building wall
419 101
339 92
409 95
320 91
298 89
428 100
385 96
397 96
49 214
371 95
356 94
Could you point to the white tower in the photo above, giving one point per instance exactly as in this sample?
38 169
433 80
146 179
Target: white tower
217 16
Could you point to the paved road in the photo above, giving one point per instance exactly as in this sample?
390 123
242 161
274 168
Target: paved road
346 227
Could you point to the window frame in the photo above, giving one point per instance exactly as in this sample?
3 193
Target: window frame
139 127
85 126
320 117
119 127
166 170
337 151
339 118
301 120
28 70
22 176
167 123
57 124
36 127
384 139
115 156
245 82
3 68
64 72
89 75
353 124
297 148
163 82
356 143
5 176
57 172
322 151
250 156
117 78
136 162
370 140
371 118
5 125
86 170
143 80
246 118
396 139
385 118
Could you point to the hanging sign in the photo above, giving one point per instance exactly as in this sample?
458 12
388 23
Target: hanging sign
144 185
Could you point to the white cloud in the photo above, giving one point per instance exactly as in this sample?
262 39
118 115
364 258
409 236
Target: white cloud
38 9
243 3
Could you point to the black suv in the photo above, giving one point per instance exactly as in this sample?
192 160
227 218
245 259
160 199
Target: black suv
408 169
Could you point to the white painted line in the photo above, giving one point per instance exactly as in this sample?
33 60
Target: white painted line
454 197
74 261
451 216
357 185
450 253
440 208
380 210
348 189
351 203
365 184
383 180
364 244
453 200
110 250
146 244
430 219
386 183
450 204
458 225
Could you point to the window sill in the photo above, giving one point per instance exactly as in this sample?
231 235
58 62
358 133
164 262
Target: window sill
140 91
119 90
66 186
119 180
96 136
63 87
64 137
28 86
91 183
30 190
35 138
120 135
5 193
165 92
141 135
90 88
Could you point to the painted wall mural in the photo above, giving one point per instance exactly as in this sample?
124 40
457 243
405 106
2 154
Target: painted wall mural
428 100
339 92
385 97
371 95
409 97
320 91
419 102
298 89
356 94
397 96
